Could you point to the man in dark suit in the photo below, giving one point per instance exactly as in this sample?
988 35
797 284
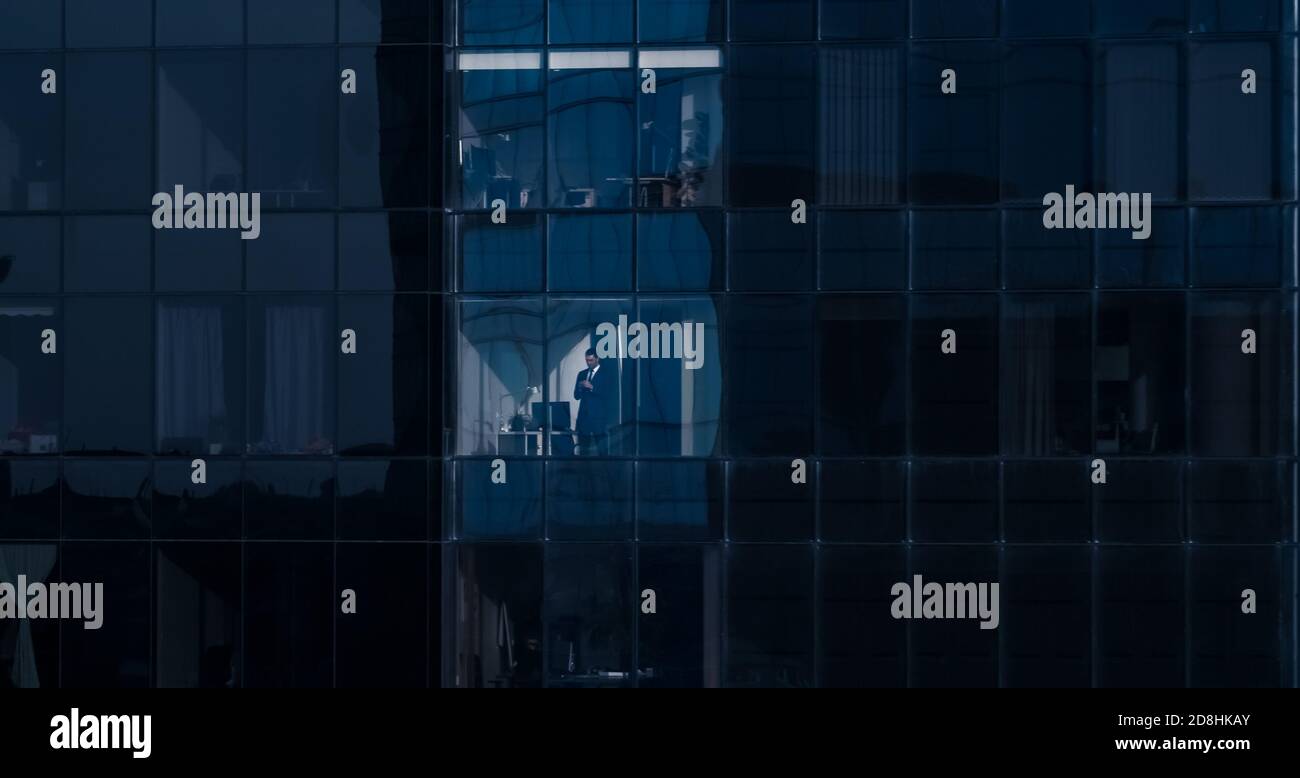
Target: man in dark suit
596 391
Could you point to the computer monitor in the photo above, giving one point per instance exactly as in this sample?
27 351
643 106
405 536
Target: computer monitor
558 418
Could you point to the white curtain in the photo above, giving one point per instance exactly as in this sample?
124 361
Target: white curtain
191 371
294 403
35 562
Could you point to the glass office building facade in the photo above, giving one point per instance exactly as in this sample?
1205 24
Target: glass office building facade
806 238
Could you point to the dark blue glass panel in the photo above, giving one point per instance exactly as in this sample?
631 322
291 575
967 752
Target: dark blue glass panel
591 21
293 153
382 645
1227 651
591 135
1047 502
1239 502
29 499
1141 617
1236 247
200 121
199 362
1046 619
863 502
859 644
1159 260
117 654
386 252
384 128
1236 15
1231 141
769 638
954 502
198 260
109 376
1140 374
386 21
955 395
679 500
953 138
772 106
199 23
858 19
500 257
863 250
509 510
679 407
954 18
295 252
767 367
106 254
588 500
29 253
109 129
119 23
954 249
590 607
1141 504
769 252
1046 387
289 500
31 382
291 21
681 140
31 172
289 624
500 130
680 21
501 22
773 20
590 252
198 600
292 342
382 500
764 503
1034 18
32 24
679 251
1138 138
681 650
183 509
383 399
861 121
949 653
1123 17
106 499
1035 258
1045 147
861 402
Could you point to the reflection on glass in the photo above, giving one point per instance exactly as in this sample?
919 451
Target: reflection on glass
500 371
291 386
198 614
30 381
591 394
680 134
497 616
589 612
500 133
590 134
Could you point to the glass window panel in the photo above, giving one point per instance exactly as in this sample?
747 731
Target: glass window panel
862 250
769 616
863 502
599 419
679 407
861 122
106 254
109 130
384 128
681 648
386 21
32 24
119 23
590 21
769 359
499 359
497 584
764 504
1047 632
589 612
1239 502
487 510
954 249
771 253
590 252
859 643
954 18
1141 612
1236 15
1035 258
680 251
588 500
954 502
953 138
1237 247
1111 17
382 500
590 132
287 500
1138 137
773 20
198 616
296 252
293 126
680 21
1230 135
382 645
383 396
29 499
955 395
32 656
106 499
291 21
501 137
1047 90
947 653
109 378
29 253
1047 502
856 19
1046 382
1142 503
500 257
1034 18
1241 403
772 106
1225 650
385 252
199 23
861 402
31 127
199 362
289 624
31 382
1160 260
501 22
1139 374
291 375
185 510
200 120
117 655
679 500
680 139
198 260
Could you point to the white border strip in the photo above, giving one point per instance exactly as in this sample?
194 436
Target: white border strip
680 58
589 60
499 60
